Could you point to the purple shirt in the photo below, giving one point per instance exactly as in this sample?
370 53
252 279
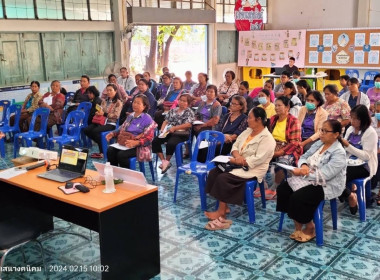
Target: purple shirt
373 95
308 126
137 125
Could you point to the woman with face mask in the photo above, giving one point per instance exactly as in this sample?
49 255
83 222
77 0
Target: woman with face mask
374 93
311 117
376 125
264 98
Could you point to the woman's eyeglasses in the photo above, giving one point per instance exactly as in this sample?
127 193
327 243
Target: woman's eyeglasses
91 181
324 131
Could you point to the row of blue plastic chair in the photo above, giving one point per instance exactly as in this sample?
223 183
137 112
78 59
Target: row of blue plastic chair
367 81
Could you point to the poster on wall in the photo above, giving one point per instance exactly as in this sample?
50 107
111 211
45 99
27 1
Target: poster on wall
271 48
248 15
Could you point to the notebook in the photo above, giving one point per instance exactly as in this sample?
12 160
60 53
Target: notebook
72 164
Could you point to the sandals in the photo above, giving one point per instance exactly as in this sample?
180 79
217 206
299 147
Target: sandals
295 234
217 225
165 167
257 193
303 237
270 194
97 155
351 199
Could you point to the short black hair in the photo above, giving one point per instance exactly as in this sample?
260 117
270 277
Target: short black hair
286 101
204 75
213 87
292 58
291 86
304 84
377 76
144 81
145 101
362 113
331 88
286 73
296 72
93 90
86 77
267 93
232 74
353 80
344 77
245 84
259 112
111 75
317 96
35 82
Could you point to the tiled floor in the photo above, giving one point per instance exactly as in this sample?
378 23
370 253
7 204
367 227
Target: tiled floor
244 251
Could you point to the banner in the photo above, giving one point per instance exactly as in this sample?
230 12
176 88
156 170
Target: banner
271 48
248 16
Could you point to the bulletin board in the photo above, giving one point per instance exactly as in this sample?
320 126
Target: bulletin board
271 48
343 48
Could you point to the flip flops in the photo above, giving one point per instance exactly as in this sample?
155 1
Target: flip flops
165 167
217 225
257 193
270 194
97 155
303 237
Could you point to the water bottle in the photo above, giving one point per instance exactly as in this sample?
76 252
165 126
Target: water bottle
108 177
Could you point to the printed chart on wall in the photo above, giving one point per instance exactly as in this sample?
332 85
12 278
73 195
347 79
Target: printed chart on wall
271 48
343 48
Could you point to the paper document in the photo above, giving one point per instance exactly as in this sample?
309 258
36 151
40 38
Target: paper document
11 172
203 144
223 159
48 100
119 147
285 166
165 132
198 122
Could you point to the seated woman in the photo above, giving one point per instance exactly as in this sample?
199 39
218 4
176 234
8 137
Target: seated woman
311 116
178 125
152 83
228 88
303 89
93 96
354 96
135 133
169 102
55 102
360 143
265 102
376 125
323 168
243 91
254 149
28 107
337 109
143 88
208 112
199 90
268 85
188 83
164 88
291 93
80 95
286 130
110 109
121 94
374 92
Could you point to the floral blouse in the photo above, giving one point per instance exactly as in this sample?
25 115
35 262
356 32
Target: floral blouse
174 118
339 110
229 90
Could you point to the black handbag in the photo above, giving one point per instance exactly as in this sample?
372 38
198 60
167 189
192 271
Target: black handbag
227 167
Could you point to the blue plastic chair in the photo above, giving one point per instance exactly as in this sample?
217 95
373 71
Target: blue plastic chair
4 104
2 147
201 169
363 193
73 120
86 108
353 73
318 220
250 187
104 141
132 165
27 137
7 127
368 81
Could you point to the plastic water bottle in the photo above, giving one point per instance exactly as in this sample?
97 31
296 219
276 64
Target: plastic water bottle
108 177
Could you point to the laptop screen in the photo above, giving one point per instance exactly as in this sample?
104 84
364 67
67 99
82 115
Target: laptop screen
73 159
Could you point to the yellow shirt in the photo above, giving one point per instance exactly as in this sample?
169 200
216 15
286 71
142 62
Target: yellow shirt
269 110
279 131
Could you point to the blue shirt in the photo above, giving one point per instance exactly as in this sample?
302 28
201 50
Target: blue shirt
308 126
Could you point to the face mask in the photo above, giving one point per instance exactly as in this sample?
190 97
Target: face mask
262 100
296 80
377 84
310 106
377 115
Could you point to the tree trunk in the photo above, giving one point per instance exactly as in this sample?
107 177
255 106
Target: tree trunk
159 51
150 64
167 46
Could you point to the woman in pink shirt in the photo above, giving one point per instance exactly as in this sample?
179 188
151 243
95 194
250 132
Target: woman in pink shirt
267 85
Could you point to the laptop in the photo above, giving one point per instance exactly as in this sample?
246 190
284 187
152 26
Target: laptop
72 165
128 175
278 71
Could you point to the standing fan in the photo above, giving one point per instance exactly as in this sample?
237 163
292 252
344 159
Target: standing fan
112 68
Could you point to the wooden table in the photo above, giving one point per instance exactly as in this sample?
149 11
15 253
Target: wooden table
127 220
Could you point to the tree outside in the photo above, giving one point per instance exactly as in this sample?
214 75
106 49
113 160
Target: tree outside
180 47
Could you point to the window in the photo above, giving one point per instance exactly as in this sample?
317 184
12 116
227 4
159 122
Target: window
100 10
1 10
19 9
49 9
76 9
225 10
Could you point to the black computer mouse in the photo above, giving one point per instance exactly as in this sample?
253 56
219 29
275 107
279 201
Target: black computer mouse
82 188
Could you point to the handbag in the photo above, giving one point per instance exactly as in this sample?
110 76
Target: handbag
124 136
227 167
98 119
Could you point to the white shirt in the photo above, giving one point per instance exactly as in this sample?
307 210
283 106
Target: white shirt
127 83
